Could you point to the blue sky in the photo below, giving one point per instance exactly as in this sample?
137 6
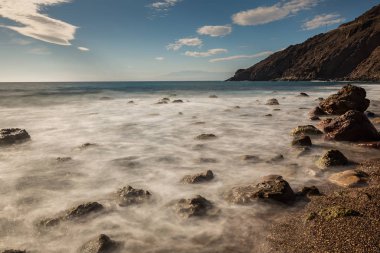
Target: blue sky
96 40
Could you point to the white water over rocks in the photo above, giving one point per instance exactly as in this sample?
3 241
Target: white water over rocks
151 146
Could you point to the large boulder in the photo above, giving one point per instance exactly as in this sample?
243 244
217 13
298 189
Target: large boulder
350 97
272 187
195 207
198 178
13 135
332 158
100 244
351 126
127 196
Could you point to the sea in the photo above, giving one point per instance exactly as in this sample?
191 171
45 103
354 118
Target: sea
149 145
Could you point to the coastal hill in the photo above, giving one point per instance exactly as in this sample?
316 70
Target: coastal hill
350 52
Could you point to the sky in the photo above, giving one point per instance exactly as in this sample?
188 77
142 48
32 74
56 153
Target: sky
143 40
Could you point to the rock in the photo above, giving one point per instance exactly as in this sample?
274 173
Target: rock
333 212
198 178
332 158
370 114
351 126
180 113
206 137
277 158
350 97
13 135
87 145
314 118
302 141
213 96
306 130
63 159
277 109
100 244
303 94
165 99
127 196
349 178
177 101
162 102
268 115
309 191
272 187
131 102
83 210
374 144
272 101
251 158
195 207
13 251
317 111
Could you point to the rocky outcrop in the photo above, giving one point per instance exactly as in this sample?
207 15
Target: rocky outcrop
272 187
13 135
198 178
350 97
127 196
332 158
350 52
351 126
100 244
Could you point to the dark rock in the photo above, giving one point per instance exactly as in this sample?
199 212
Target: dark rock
64 159
277 158
213 96
180 113
13 251
272 101
87 145
198 178
129 196
350 97
13 135
195 207
309 191
251 158
306 130
303 94
268 115
206 137
332 158
272 187
100 244
83 210
302 141
315 118
131 102
177 101
370 114
162 102
351 126
317 111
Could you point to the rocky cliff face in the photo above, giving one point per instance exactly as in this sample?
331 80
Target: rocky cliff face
350 52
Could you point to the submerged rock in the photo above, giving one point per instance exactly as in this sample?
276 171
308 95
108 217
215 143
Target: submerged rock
129 196
177 101
302 141
198 178
206 137
332 158
100 244
277 158
349 178
13 135
272 101
13 251
272 187
350 97
195 207
63 159
213 96
306 130
87 145
251 158
351 126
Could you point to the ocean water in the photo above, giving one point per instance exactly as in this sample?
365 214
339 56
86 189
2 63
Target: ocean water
152 146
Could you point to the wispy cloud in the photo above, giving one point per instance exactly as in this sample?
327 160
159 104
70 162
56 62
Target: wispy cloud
33 23
39 51
323 20
190 42
84 49
267 14
21 42
238 57
160 58
207 53
164 5
215 31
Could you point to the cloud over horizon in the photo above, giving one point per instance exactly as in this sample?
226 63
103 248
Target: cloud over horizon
267 14
215 31
323 20
238 57
207 53
190 42
35 24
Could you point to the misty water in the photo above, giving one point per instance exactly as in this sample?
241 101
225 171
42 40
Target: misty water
152 146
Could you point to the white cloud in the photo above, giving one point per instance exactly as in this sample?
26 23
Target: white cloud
32 23
160 58
238 57
322 20
267 14
207 53
215 31
164 4
84 49
190 42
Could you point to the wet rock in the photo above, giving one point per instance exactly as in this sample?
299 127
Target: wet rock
195 207
272 101
315 118
309 191
213 96
268 115
302 141
127 196
370 114
351 126
251 158
317 111
198 178
199 123
332 158
206 137
306 130
373 144
13 135
100 244
177 101
87 145
277 109
165 99
272 187
350 97
303 94
333 212
13 251
64 159
162 102
349 178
